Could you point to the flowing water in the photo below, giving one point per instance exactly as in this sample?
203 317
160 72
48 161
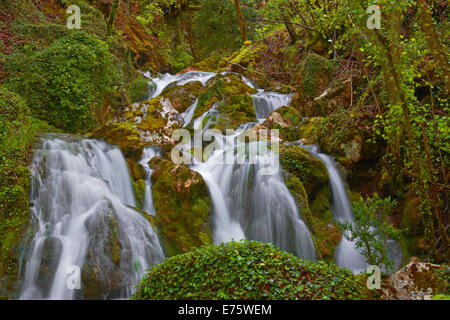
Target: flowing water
83 214
81 203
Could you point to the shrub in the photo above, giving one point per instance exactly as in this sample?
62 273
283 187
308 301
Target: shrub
246 270
64 83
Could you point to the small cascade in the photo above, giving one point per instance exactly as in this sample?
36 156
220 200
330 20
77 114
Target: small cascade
346 254
149 154
83 218
267 102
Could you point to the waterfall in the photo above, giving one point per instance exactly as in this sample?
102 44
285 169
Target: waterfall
346 254
82 213
267 102
149 154
249 204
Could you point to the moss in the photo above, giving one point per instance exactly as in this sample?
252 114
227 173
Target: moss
182 97
286 120
234 111
182 205
220 87
139 191
310 170
248 55
247 270
307 180
315 75
123 135
138 89
412 225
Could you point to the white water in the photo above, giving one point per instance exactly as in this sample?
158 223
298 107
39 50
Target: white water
149 154
80 196
249 204
267 102
346 253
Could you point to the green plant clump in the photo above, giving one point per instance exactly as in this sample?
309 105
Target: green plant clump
66 83
246 270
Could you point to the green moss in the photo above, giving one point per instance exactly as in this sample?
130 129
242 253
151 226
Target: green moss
307 180
249 55
234 111
315 75
138 89
286 120
182 97
247 270
182 205
123 135
219 88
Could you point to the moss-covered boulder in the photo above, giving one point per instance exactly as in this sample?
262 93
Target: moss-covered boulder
313 77
412 225
220 87
248 55
155 120
286 120
307 179
182 97
247 270
182 204
232 112
123 135
101 274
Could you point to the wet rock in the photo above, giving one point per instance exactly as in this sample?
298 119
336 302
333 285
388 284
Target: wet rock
417 281
182 204
182 97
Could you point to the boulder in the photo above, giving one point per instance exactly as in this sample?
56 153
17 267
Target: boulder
182 203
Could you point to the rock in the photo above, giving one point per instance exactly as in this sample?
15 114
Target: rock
417 281
182 97
286 120
220 87
307 179
234 111
123 135
412 225
313 79
155 120
102 273
182 204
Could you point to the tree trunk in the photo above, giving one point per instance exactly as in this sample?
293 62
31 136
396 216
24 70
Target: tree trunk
241 20
289 28
439 55
112 18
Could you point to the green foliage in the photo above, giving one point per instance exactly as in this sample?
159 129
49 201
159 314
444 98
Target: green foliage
246 270
17 134
138 90
370 230
66 82
217 28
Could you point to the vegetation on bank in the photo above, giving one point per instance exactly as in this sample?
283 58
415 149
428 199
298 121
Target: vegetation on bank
247 270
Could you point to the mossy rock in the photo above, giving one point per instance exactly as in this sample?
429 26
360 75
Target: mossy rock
247 56
234 111
220 87
412 225
182 204
101 274
314 76
286 120
310 170
307 179
247 270
182 97
123 135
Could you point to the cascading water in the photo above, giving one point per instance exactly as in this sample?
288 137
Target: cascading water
251 204
267 102
82 216
149 154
